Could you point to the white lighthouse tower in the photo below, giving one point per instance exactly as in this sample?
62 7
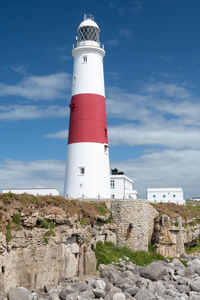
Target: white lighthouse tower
87 168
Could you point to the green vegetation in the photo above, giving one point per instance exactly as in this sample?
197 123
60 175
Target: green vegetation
184 262
176 223
82 221
110 219
107 253
47 234
46 224
192 223
100 208
195 248
16 218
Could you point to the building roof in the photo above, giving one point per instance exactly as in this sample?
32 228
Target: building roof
88 22
121 176
165 190
33 188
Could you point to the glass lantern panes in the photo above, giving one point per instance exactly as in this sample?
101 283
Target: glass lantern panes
88 33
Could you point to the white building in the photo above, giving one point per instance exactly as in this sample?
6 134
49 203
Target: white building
122 187
165 195
33 191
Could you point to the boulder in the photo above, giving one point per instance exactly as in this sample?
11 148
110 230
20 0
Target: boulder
193 262
99 293
87 295
99 284
156 288
143 294
119 296
72 296
195 285
111 274
153 271
132 290
19 293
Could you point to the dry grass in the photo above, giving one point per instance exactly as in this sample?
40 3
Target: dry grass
174 210
14 204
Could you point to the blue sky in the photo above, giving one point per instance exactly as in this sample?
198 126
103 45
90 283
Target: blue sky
152 71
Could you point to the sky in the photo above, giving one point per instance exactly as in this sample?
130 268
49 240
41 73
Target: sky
152 72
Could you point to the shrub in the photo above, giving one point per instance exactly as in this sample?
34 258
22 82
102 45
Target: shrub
47 234
176 223
194 248
16 218
45 224
101 209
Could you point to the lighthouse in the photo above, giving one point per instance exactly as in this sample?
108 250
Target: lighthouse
87 166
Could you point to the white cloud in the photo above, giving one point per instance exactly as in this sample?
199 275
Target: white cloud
19 69
165 135
27 112
40 173
165 57
118 9
169 90
137 6
169 168
113 42
65 57
62 134
47 87
125 32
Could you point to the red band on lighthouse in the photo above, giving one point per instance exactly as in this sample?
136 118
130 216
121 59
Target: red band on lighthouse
88 119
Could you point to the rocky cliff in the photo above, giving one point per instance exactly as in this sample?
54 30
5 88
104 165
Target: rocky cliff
48 240
176 229
44 240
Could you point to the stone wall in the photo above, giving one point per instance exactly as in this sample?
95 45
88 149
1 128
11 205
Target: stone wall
135 222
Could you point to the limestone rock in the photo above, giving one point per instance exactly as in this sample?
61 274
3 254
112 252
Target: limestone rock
143 294
90 262
19 293
153 271
195 285
119 296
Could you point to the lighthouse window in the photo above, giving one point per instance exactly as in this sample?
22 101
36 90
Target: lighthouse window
106 149
81 171
88 33
84 58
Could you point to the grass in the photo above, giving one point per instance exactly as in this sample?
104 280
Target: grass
82 221
107 253
187 212
176 223
47 235
195 248
26 204
101 209
46 224
16 218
